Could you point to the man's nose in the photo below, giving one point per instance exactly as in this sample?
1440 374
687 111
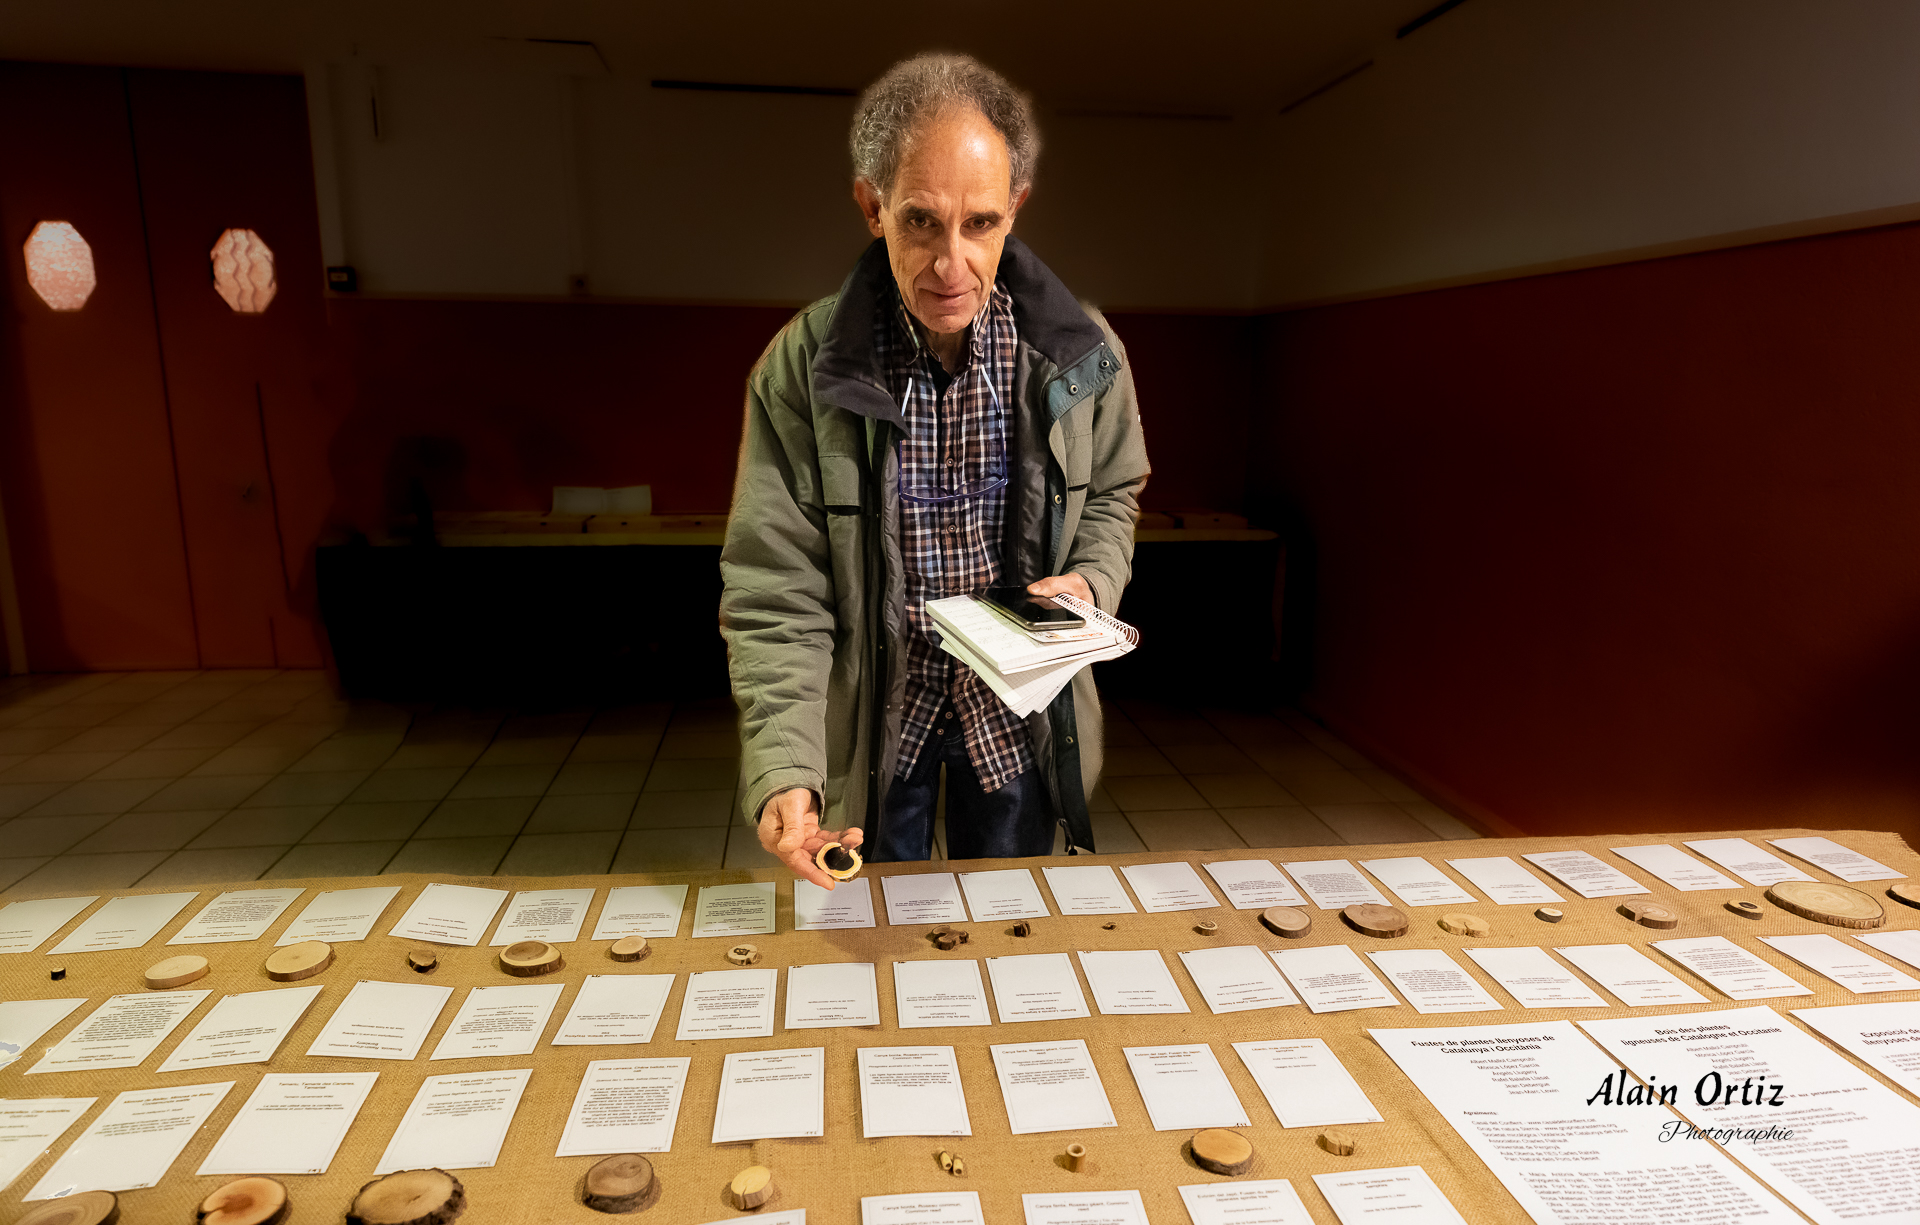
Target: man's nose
948 262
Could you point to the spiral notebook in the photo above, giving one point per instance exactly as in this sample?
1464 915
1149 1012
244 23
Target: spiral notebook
1027 668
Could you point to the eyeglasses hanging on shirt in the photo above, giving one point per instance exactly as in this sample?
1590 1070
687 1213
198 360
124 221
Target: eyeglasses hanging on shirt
952 479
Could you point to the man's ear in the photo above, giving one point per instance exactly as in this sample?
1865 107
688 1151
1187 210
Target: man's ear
868 198
1019 202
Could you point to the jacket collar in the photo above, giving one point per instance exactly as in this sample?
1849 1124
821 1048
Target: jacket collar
846 369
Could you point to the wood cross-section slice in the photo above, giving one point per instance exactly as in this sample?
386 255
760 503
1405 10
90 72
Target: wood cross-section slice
1748 910
839 862
531 958
1206 927
1907 893
946 942
1023 928
410 1197
1651 914
751 1187
1549 914
1338 1142
1835 905
1286 922
1222 1151
630 948
619 1184
56 973
422 962
1373 919
245 1201
298 961
175 972
86 1208
1076 1156
1465 924
743 954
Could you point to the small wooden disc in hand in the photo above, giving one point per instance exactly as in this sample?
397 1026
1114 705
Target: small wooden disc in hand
86 1208
421 962
1650 914
298 961
751 1187
245 1201
531 958
1380 922
1339 1143
619 1184
1286 922
743 954
410 1197
1907 893
1835 905
1222 1151
630 948
1465 924
175 972
839 862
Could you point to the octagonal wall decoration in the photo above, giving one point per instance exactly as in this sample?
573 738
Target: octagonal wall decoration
59 265
243 271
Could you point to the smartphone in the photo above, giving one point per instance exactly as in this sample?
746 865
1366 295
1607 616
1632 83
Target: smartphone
1031 611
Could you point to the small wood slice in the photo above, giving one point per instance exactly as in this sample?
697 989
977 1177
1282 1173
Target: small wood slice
743 954
1650 914
175 972
1076 1156
56 973
1465 924
959 1169
1747 910
946 942
1222 1151
1206 927
410 1197
1107 927
1380 922
751 1187
298 961
1835 905
531 958
1339 1143
1549 914
1023 928
1907 893
945 1159
839 862
1286 922
422 962
619 1184
245 1201
86 1208
630 948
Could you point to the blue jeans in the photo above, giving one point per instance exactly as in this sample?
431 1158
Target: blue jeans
1017 820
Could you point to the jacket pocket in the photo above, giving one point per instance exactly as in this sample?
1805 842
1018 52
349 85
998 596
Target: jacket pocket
840 484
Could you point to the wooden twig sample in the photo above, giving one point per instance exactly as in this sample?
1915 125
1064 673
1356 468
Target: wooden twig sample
1286 922
175 972
1338 1142
1748 910
630 948
619 1184
1221 1151
743 954
531 958
1651 914
85 1208
1076 1157
409 1197
1465 924
422 962
751 1187
246 1201
1373 919
298 961
1549 914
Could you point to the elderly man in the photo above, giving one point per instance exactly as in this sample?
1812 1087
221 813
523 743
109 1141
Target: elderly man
952 419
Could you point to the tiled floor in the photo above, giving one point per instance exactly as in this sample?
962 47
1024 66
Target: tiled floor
109 780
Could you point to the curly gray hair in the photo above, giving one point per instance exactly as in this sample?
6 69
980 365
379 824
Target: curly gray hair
917 89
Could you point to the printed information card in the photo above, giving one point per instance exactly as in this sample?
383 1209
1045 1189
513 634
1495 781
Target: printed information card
615 1010
241 915
1675 867
848 904
552 915
625 1106
911 1091
1010 893
652 911
456 1122
450 914
1254 884
731 911
1132 982
1747 861
924 897
291 1124
123 923
1630 975
1432 982
771 1095
133 1143
339 916
1305 1084
121 1033
1334 884
1504 882
1732 971
1051 1086
1418 883
1163 887
927 994
1094 890
25 926
1184 1087
1585 875
244 1028
381 1020
1843 863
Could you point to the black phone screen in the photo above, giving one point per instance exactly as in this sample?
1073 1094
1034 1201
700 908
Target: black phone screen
1023 605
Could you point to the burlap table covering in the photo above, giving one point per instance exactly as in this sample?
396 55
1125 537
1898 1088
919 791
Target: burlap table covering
828 1176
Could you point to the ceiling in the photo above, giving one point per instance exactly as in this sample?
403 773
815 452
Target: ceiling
1204 56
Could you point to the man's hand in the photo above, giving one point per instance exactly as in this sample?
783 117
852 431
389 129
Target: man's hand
790 829
1072 584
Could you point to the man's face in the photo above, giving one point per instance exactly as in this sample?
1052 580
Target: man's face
946 219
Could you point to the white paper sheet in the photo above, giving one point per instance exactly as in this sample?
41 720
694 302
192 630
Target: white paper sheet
1084 1208
848 904
28 1128
1534 978
456 1122
1504 882
1886 1037
918 1208
1900 945
1731 970
1747 861
1132 982
552 915
1334 884
911 1091
793 1216
1164 887
1417 883
1837 859
123 923
1254 884
768 1095
25 1022
1237 978
246 1028
1331 978
923 897
1856 971
339 916
615 1010
133 1142
1630 974
121 1033
450 914
728 1004
1854 1148
929 994
1675 867
1036 987
1051 1086
243 914
1260 1201
1008 893
833 996
1585 874
381 1020
731 911
1404 1195
1094 890
499 1021
1184 1087
625 1106
1305 1084
1433 982
290 1124
652 911
25 926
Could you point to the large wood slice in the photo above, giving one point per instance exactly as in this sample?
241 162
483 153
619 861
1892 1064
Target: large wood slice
1222 1151
1907 893
1286 922
246 1201
630 948
175 972
410 1197
619 1184
531 958
298 961
86 1208
1836 905
1373 919
751 1187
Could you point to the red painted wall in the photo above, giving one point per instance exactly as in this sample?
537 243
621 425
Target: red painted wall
1629 549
